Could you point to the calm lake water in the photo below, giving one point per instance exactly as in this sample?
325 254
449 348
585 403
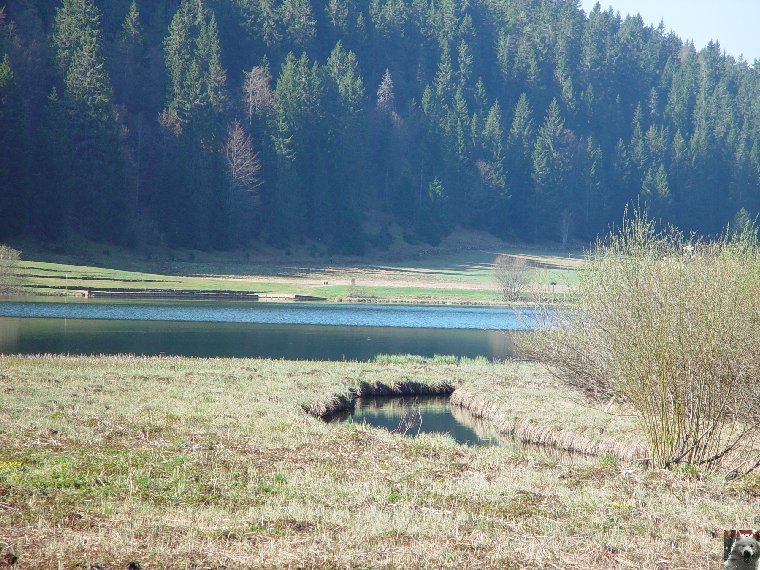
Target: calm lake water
428 414
301 331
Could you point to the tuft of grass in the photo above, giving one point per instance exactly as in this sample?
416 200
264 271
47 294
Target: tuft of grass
400 359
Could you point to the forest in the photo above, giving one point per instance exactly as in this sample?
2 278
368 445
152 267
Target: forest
214 124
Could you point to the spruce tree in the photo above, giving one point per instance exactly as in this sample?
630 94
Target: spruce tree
100 201
14 156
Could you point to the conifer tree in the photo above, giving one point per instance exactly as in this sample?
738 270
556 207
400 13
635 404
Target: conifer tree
348 148
386 98
550 166
299 22
493 137
131 76
15 152
77 22
55 178
100 200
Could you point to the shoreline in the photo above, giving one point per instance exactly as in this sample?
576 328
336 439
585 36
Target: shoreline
264 298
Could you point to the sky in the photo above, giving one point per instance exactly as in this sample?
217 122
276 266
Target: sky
734 23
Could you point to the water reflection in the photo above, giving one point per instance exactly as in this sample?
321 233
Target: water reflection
411 416
9 335
242 340
429 414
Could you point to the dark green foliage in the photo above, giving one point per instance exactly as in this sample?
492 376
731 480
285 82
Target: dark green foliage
528 119
14 152
98 197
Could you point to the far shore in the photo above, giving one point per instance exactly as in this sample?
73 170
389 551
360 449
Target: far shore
445 277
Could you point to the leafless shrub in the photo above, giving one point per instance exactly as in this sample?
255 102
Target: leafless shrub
511 273
669 325
9 258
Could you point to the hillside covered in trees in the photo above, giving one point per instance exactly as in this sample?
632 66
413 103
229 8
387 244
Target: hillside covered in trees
212 123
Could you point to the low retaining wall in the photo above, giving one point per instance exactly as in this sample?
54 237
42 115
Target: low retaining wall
168 294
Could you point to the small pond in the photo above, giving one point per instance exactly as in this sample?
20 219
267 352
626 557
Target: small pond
423 414
413 415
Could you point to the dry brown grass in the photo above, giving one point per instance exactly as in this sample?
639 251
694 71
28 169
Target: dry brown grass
188 463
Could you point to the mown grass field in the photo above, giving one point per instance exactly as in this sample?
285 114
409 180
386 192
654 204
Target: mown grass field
451 277
215 463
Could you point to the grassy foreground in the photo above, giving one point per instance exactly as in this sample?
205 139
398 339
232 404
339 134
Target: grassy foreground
187 463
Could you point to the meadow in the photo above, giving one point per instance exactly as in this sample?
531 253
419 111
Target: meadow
459 276
218 463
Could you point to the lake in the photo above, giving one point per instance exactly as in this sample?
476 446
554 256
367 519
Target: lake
299 331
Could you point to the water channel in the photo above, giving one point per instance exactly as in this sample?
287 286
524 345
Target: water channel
412 416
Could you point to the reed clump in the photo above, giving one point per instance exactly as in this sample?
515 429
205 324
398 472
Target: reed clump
669 325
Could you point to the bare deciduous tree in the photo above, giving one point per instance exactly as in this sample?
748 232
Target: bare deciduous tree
511 274
242 163
257 91
489 175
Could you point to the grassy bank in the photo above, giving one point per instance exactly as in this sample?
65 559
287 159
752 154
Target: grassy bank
175 462
463 277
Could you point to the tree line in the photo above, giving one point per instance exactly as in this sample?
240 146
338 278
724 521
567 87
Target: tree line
212 123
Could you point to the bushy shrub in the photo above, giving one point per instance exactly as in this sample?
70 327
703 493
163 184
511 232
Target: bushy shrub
670 325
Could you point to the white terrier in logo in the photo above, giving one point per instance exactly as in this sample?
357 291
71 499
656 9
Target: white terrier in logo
744 554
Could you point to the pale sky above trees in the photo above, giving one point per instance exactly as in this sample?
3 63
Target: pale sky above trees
732 22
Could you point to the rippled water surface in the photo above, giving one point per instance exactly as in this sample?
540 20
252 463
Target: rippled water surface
334 314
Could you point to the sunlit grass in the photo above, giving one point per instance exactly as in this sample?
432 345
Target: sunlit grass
215 462
463 277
